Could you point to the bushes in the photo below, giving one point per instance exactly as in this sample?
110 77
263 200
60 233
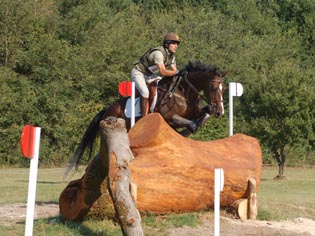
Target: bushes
64 62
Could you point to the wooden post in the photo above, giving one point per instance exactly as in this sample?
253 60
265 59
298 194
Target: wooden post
246 208
252 202
114 136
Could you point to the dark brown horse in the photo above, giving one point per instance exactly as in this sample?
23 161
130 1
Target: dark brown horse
178 101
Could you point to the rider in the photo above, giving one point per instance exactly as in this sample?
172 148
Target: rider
153 65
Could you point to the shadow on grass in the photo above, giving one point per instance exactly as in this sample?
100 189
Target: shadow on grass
87 227
42 182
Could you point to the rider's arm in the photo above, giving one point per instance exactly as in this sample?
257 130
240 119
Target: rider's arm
158 58
165 72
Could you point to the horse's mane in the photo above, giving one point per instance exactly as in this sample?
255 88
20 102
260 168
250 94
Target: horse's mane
198 66
194 66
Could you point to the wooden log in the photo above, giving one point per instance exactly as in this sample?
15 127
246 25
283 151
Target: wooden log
173 173
240 208
87 193
114 136
106 184
176 174
246 208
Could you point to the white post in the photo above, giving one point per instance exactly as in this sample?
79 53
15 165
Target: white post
32 186
132 118
218 187
235 89
230 110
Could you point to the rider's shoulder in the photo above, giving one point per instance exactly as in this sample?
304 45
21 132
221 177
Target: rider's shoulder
157 55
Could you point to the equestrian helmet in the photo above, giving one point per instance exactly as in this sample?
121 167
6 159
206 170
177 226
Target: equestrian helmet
171 37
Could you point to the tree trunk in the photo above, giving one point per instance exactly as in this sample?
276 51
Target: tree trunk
115 138
176 174
106 184
281 158
80 195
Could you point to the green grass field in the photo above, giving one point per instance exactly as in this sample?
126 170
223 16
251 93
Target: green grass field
287 199
50 183
277 200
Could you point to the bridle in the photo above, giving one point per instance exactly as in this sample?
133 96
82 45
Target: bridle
198 92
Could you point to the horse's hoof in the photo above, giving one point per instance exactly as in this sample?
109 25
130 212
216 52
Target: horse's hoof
185 133
203 119
193 127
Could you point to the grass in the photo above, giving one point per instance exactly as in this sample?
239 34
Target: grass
50 183
287 199
277 200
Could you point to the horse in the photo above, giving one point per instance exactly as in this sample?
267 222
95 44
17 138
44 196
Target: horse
178 102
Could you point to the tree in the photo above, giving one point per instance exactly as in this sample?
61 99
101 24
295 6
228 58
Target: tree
71 55
277 106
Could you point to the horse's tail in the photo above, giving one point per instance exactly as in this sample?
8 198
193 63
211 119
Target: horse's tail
87 141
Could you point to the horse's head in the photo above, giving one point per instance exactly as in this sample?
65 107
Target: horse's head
210 80
214 92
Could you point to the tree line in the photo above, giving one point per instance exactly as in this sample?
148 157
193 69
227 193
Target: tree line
61 62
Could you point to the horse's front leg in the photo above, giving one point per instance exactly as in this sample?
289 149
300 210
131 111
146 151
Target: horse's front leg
181 122
205 114
191 125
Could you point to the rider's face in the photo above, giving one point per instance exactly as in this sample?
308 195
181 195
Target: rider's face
172 47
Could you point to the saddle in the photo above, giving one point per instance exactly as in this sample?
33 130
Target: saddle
152 101
153 87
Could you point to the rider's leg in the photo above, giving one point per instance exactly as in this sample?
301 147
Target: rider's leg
152 96
144 105
141 86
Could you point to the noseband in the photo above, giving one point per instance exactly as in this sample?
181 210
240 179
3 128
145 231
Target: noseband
197 92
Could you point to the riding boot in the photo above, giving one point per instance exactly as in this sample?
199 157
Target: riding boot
144 105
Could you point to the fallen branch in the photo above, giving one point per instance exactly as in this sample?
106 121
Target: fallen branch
115 138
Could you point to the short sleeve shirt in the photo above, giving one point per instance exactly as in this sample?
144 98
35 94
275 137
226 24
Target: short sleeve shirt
158 58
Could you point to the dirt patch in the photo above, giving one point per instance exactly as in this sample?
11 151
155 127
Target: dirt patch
235 227
13 213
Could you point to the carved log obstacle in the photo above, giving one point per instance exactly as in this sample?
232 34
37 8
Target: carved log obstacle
174 173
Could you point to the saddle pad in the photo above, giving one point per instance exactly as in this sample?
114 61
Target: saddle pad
137 107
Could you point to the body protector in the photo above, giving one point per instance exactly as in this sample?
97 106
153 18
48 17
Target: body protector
147 66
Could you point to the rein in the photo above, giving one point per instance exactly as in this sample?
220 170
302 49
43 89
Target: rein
196 91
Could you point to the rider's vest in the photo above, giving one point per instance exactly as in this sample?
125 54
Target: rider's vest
145 61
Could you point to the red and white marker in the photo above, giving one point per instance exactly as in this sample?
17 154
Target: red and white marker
30 140
127 88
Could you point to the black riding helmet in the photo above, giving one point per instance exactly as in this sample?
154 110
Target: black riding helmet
171 37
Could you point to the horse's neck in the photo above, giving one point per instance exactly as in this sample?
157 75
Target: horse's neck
188 88
191 87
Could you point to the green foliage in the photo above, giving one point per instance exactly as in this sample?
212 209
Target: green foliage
61 62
